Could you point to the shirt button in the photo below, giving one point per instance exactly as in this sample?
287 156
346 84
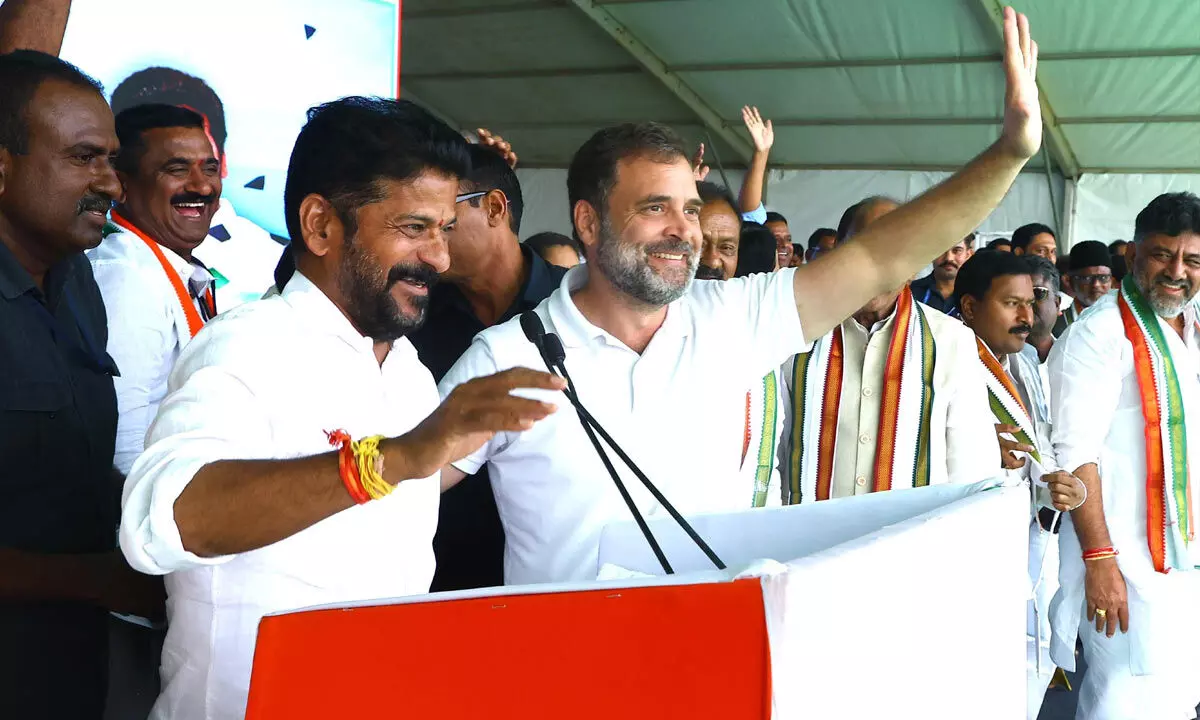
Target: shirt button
860 481
866 392
52 415
864 438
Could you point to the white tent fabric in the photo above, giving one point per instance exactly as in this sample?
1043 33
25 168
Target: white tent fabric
1105 206
809 199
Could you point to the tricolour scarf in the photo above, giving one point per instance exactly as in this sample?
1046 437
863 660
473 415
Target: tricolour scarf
1169 524
902 456
1006 401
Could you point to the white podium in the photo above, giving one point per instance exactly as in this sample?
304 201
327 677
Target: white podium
907 604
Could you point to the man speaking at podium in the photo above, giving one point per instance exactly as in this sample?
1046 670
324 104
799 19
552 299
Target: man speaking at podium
645 342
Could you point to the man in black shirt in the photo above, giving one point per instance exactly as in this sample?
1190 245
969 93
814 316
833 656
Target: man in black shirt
492 278
937 288
59 495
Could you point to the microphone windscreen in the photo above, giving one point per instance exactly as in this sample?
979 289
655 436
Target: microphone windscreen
555 352
532 326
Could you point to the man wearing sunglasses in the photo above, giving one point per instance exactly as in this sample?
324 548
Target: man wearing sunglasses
492 278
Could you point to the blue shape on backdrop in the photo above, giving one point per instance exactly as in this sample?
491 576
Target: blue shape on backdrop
219 232
257 183
308 31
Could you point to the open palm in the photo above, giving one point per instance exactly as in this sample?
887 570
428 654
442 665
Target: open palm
1022 111
761 132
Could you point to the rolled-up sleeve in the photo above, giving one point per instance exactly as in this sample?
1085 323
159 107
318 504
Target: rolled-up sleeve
757 215
1086 379
212 416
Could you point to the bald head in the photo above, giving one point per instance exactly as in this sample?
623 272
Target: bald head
862 214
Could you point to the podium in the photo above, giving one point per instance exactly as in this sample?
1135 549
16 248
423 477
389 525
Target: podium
902 604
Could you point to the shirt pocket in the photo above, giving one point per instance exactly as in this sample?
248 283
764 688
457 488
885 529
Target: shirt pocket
29 411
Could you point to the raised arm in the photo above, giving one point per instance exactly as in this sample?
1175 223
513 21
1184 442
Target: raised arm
891 250
763 135
33 25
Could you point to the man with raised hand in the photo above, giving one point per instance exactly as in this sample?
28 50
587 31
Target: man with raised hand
644 342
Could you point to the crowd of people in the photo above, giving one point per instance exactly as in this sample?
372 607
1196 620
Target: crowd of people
382 395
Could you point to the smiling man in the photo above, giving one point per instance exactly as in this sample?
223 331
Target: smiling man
1126 406
238 498
157 294
664 362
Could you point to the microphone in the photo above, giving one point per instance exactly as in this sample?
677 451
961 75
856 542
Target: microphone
554 355
535 332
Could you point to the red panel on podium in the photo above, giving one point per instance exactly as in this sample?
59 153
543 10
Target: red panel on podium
676 651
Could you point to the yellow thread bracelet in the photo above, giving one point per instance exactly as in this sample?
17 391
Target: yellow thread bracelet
370 467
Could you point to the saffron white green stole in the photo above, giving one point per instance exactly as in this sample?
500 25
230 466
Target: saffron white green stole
902 456
1005 401
1169 522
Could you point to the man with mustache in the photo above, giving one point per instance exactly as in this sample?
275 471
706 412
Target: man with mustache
157 293
60 572
937 288
663 361
896 374
996 297
1126 407
238 498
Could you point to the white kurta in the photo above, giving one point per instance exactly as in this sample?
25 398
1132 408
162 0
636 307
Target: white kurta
678 409
962 441
265 381
147 329
1097 418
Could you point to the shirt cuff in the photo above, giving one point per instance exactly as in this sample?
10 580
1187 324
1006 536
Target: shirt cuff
758 215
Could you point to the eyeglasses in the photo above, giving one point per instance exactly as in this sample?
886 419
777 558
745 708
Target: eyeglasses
470 196
1089 279
1041 293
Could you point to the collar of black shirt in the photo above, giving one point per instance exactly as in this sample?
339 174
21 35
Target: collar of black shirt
541 279
15 280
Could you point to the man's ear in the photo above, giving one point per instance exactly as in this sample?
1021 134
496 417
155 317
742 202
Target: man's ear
587 223
320 226
496 205
966 307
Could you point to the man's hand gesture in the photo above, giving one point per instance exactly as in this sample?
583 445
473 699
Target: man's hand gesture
761 132
1022 134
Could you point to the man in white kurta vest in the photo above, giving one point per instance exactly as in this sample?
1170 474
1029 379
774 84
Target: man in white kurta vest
893 397
157 294
995 292
1126 405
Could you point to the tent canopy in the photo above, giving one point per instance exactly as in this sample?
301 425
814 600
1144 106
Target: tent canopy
849 84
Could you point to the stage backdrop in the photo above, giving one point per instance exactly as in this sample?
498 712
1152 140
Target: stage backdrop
253 67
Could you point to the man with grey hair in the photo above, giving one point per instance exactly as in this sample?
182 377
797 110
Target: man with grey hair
836 399
1125 408
663 361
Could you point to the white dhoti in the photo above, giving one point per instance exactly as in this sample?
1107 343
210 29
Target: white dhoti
1040 667
1112 691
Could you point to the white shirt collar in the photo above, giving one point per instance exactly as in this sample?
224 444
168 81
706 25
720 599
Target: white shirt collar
575 330
315 305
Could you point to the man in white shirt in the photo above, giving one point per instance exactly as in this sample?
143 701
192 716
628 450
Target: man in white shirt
1125 405
237 496
157 294
664 362
997 301
892 397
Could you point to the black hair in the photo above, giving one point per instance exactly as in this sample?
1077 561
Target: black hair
976 274
995 244
543 241
349 145
814 240
168 86
1042 267
593 170
773 216
1114 247
134 122
756 250
1171 214
852 219
1025 234
711 192
22 72
489 171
